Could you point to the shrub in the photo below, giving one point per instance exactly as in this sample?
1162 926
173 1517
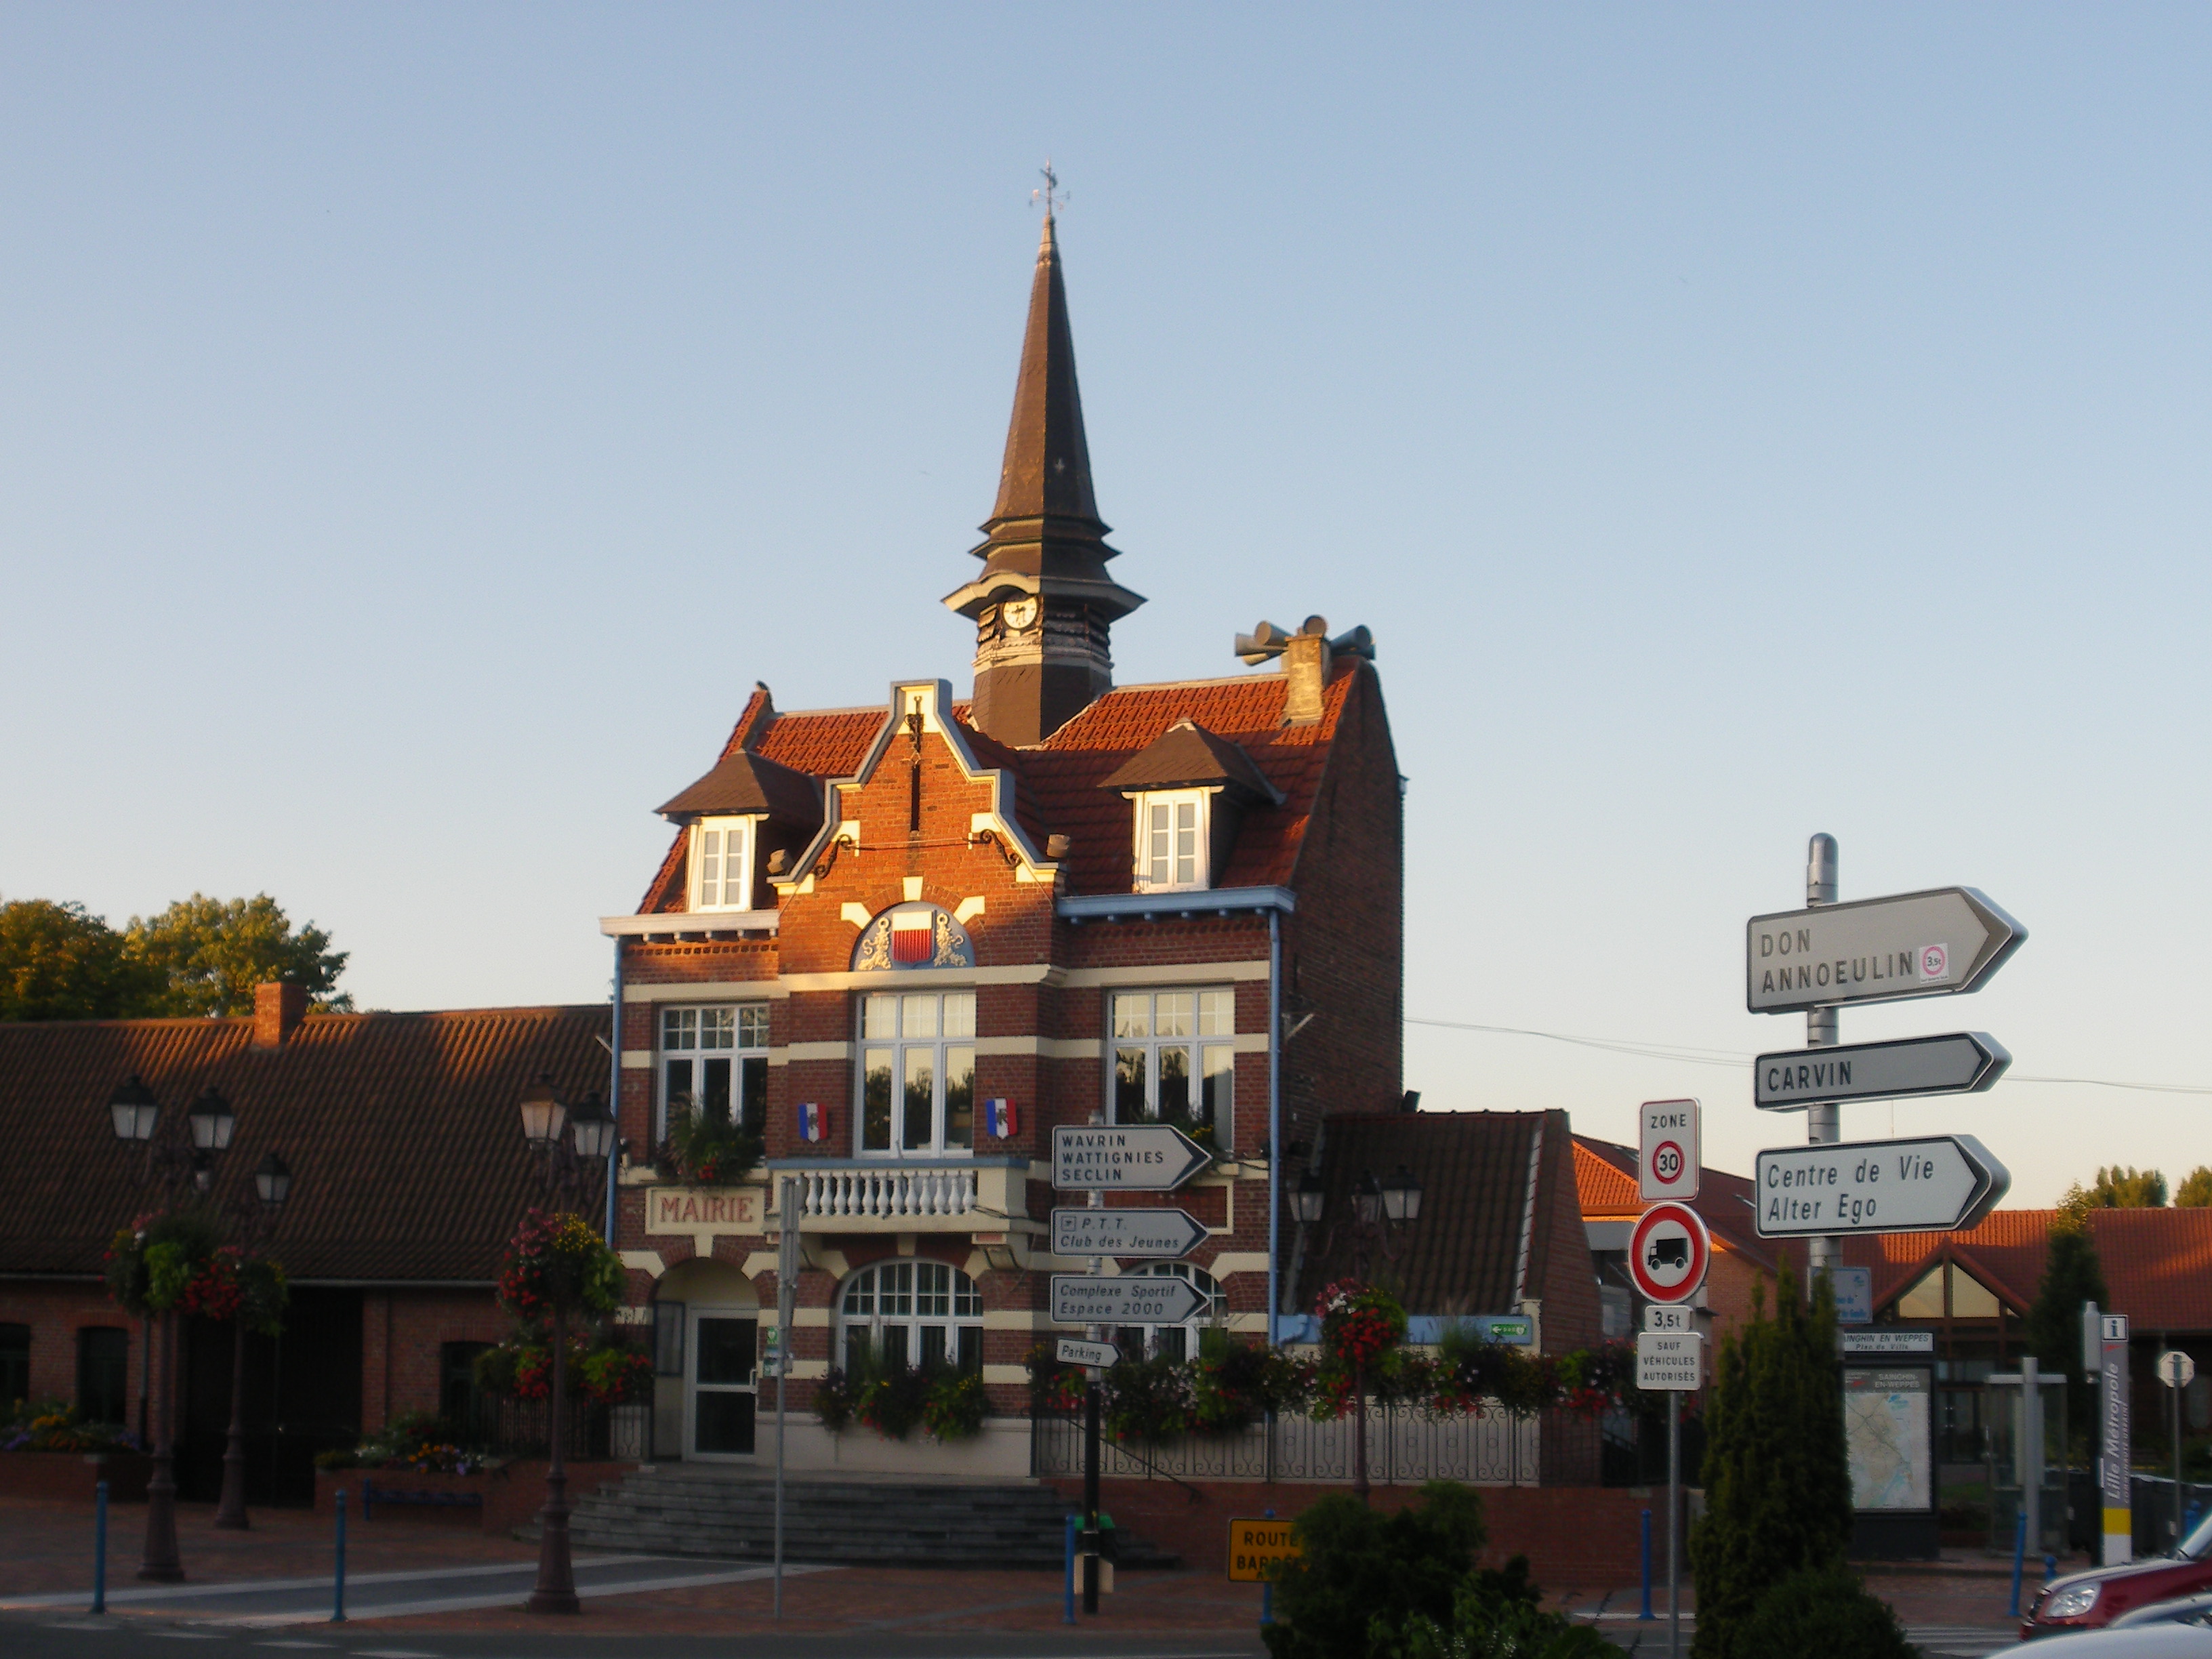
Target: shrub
55 1425
1821 1613
1487 1626
1778 1480
955 1406
615 1376
1362 1577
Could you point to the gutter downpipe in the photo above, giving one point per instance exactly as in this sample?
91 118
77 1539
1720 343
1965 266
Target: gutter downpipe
614 1093
1274 1119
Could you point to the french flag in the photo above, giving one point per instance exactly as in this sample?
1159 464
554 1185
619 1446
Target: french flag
999 1119
913 934
813 1121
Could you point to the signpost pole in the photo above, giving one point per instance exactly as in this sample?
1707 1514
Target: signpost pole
1824 1120
1674 1524
1097 1334
786 1278
2030 1460
2174 1389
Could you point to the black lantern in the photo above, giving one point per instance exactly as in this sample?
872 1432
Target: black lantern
272 1180
543 1116
1307 1198
1402 1196
135 1110
212 1122
592 1126
1366 1197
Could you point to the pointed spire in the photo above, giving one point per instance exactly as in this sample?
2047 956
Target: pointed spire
1047 472
1043 603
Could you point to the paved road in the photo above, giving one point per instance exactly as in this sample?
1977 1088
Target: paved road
1934 1641
267 1603
27 1636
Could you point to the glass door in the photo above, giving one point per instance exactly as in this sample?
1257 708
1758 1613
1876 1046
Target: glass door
724 1383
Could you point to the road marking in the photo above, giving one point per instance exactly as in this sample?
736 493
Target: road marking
367 1609
243 1586
393 1653
291 1644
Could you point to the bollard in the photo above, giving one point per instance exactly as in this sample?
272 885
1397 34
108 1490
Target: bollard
2050 1568
100 1547
1068 1612
1267 1595
2019 1556
338 1584
1646 1614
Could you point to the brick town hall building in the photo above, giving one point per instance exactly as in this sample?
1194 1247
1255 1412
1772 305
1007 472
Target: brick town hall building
904 940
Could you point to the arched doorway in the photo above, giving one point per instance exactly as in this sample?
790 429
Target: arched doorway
710 1314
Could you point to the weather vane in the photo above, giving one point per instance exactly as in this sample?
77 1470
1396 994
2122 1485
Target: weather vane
1052 195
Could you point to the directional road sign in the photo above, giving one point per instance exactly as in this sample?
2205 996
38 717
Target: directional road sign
1669 1252
1165 1233
1670 1360
1932 1185
1915 944
1964 1063
1667 1164
1132 1299
1074 1351
1130 1157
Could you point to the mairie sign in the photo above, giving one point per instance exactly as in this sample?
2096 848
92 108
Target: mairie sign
1964 1062
1913 944
1133 1157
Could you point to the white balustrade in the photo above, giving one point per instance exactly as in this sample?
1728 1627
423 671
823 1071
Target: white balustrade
889 1192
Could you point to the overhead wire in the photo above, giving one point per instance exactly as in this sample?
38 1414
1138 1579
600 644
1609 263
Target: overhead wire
1688 1055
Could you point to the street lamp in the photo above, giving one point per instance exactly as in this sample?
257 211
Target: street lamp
1307 1199
135 1110
570 1166
256 1226
178 1160
1378 1209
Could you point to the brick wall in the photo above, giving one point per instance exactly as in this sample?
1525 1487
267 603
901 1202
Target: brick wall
1576 1538
55 1313
402 1333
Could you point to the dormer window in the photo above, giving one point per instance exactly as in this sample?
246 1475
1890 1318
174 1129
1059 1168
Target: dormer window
722 864
1172 839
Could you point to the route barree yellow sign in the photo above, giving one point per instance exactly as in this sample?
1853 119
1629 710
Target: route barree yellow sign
1256 1545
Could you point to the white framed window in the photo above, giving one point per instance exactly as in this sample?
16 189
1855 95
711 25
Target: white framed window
1173 827
917 1074
910 1313
722 864
1174 1061
1176 1341
714 1059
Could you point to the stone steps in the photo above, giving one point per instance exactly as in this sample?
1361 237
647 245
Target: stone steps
894 1525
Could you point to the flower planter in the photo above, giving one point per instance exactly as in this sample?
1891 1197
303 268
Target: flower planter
507 1497
73 1475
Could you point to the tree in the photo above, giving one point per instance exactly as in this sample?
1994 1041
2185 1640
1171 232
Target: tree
58 963
2118 1189
211 953
1777 1477
2194 1192
2071 1275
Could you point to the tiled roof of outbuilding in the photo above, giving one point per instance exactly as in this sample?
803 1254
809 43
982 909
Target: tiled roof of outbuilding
406 1149
1464 1254
1606 1183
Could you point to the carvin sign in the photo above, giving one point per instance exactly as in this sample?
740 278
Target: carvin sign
707 1210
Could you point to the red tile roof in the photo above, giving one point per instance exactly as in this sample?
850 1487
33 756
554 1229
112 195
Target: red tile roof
401 1129
1605 1182
1060 785
2157 1263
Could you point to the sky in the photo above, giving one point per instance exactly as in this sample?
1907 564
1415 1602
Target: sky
421 425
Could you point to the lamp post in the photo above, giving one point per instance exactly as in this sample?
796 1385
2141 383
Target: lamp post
572 1163
256 1226
176 1162
1378 1210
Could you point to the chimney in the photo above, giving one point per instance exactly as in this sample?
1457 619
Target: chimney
1306 660
277 1009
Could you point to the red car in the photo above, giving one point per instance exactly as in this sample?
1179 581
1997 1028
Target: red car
2092 1599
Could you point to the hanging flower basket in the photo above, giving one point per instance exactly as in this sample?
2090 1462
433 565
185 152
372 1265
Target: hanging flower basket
557 1261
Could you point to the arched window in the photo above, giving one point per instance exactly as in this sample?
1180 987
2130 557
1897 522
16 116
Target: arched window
911 1313
1175 1341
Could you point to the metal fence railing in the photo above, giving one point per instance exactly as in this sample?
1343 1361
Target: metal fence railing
595 1433
1494 1448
